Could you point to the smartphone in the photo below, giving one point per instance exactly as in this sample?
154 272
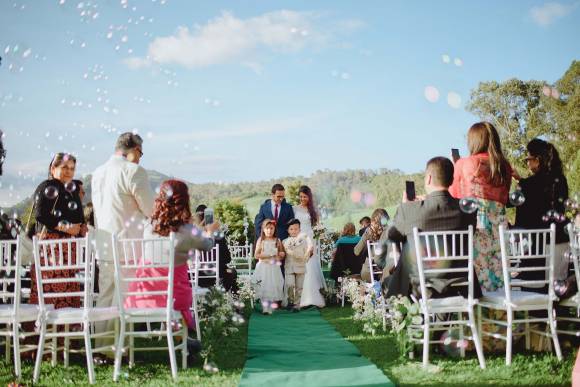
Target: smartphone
455 154
208 216
410 189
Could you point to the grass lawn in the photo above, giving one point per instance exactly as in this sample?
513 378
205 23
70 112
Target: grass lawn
151 369
531 369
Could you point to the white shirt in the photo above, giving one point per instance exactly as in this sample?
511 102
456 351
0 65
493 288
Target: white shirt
122 201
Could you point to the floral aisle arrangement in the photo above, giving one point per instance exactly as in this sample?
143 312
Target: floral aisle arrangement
326 239
366 304
220 316
403 317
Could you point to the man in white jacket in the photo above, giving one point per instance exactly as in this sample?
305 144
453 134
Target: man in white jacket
122 201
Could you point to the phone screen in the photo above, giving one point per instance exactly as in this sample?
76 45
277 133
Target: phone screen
208 216
410 189
455 154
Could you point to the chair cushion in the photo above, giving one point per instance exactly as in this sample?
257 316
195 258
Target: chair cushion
65 315
27 312
448 303
150 312
519 298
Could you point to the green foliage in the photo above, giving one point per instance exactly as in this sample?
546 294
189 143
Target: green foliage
523 110
527 369
234 214
292 192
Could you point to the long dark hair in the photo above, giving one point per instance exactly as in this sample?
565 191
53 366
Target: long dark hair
483 137
311 208
547 155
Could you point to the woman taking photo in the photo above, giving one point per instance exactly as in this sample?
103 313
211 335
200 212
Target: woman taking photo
483 179
376 232
544 194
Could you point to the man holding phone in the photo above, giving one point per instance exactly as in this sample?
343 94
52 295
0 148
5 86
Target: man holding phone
437 211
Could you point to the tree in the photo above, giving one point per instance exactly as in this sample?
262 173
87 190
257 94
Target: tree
293 196
523 110
234 214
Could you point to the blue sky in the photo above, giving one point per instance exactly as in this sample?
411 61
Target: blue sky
241 91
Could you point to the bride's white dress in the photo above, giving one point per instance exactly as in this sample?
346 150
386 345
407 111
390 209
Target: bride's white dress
313 279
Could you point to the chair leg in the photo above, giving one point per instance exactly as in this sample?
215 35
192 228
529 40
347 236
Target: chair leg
479 323
66 346
508 344
527 330
476 339
8 345
131 346
16 337
39 353
554 333
461 337
54 351
184 349
119 351
171 348
89 352
425 340
196 317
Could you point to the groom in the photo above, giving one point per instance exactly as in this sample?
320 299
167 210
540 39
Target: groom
277 209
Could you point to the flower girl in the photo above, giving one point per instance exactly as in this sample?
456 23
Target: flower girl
268 274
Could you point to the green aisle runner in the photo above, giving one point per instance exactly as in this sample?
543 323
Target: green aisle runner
302 349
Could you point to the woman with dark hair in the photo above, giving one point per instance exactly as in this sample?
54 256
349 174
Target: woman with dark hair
344 259
375 232
544 193
171 213
58 214
483 180
313 279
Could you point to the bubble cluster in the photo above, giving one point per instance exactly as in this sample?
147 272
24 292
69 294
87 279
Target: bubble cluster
553 216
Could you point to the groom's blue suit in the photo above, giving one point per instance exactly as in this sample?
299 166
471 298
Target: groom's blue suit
286 213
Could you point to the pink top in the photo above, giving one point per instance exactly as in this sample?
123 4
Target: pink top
471 179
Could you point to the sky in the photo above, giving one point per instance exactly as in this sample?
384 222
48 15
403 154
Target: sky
226 91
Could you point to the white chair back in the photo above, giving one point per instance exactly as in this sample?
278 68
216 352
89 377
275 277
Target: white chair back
206 265
574 233
71 254
242 259
10 271
527 251
436 252
144 260
373 248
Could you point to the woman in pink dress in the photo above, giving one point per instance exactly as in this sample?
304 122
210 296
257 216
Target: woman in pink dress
172 213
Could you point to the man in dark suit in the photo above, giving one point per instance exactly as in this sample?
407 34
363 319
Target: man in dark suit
276 209
437 211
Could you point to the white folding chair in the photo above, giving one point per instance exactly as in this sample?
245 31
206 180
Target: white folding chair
52 259
373 248
12 312
517 247
147 261
242 259
572 302
204 266
434 250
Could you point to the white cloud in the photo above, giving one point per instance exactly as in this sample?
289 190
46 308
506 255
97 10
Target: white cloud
548 13
228 39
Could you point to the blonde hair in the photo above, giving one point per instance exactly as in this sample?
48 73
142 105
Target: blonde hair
348 230
482 137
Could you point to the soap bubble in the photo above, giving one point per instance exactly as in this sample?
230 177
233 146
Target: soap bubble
517 198
72 206
70 186
51 192
431 94
56 213
468 205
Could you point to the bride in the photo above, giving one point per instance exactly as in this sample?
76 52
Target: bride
313 280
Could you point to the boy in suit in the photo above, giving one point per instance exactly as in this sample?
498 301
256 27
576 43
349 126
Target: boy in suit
298 248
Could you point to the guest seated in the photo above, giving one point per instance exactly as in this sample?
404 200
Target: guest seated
228 275
172 213
345 262
438 211
375 232
364 223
